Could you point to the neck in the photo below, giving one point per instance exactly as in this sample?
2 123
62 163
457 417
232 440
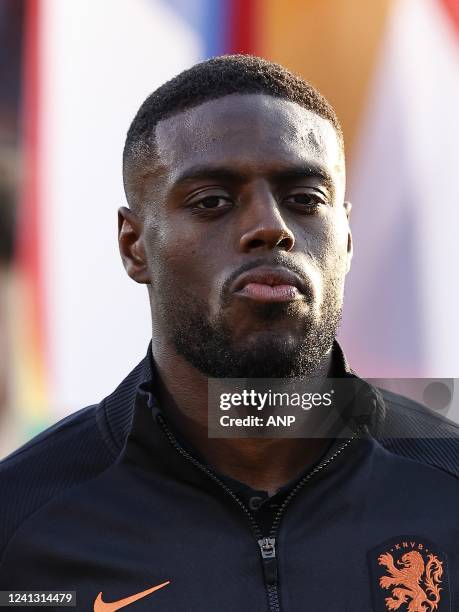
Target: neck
263 464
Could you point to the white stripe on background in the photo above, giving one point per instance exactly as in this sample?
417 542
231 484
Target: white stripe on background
402 295
100 60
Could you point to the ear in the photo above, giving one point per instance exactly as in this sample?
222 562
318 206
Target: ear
350 244
132 250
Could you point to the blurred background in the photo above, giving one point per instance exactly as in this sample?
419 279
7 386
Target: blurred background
72 75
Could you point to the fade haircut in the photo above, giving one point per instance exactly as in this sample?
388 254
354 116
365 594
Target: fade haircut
208 80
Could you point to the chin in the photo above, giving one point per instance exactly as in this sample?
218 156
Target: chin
268 352
269 340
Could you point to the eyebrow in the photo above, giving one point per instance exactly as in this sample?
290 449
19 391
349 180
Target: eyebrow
307 170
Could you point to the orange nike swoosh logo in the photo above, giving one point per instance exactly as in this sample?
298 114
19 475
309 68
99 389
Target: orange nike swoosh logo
101 606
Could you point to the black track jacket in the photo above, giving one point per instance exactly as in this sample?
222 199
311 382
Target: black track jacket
109 504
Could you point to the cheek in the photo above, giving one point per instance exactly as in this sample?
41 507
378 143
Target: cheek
177 258
335 273
329 241
329 257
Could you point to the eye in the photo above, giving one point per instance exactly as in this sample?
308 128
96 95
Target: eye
306 202
211 202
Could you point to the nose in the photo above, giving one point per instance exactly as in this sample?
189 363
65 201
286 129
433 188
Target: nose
264 226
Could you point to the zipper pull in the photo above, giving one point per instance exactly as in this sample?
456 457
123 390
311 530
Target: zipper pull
268 555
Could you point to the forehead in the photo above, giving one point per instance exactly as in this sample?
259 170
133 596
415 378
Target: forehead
247 129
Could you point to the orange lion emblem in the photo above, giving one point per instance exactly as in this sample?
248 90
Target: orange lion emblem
413 582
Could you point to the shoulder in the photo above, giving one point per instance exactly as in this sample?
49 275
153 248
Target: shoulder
68 453
75 450
411 430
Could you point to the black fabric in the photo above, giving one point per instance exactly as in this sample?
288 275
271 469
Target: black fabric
411 430
264 506
107 501
70 452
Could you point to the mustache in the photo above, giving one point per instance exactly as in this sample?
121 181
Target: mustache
279 261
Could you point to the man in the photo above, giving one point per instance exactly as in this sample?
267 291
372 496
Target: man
238 225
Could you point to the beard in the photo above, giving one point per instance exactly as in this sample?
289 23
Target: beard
208 345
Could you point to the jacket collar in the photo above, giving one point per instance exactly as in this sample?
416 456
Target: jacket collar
116 412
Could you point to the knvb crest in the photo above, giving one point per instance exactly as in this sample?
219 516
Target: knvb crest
409 574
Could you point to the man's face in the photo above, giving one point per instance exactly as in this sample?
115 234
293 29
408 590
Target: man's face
251 189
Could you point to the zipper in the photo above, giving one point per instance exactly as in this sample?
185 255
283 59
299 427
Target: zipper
267 544
268 555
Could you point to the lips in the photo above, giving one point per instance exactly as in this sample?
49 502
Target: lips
269 285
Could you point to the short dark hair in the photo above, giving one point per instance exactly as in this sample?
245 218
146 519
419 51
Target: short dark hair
208 80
